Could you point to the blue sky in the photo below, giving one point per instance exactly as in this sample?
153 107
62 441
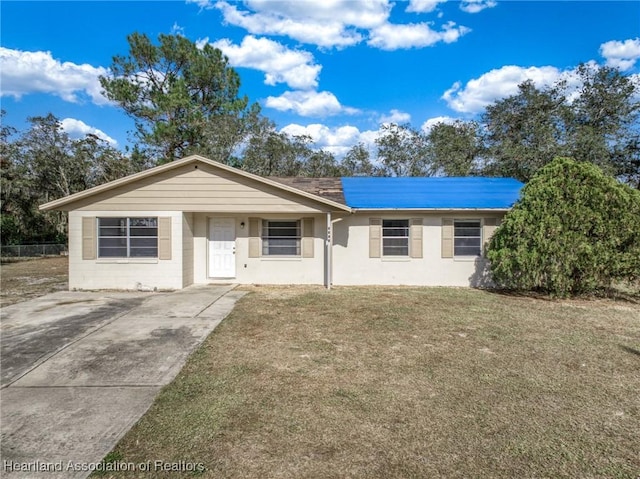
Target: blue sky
335 70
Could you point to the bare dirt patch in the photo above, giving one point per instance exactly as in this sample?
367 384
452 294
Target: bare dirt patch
403 382
26 279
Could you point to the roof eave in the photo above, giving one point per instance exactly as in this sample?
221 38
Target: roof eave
356 209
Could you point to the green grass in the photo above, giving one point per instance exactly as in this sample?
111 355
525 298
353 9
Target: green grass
400 383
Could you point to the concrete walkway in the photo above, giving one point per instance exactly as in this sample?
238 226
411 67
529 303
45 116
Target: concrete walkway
77 381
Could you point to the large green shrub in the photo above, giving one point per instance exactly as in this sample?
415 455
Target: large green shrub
574 230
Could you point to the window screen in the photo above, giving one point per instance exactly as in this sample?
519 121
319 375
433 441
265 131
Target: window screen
280 238
128 237
395 237
467 238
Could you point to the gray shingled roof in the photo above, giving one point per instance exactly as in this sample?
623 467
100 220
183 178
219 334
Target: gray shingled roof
329 188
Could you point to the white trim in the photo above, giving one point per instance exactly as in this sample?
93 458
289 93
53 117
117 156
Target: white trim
430 210
328 250
280 258
126 261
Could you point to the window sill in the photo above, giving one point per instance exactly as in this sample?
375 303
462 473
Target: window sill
463 259
281 258
127 261
396 258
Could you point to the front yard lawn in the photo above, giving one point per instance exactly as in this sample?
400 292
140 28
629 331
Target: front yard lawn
404 382
24 279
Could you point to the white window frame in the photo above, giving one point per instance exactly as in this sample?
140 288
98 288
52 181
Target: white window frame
407 237
265 228
127 236
479 237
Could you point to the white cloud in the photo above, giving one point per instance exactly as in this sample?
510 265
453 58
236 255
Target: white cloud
413 35
621 55
338 23
475 6
395 116
309 103
336 140
79 129
204 4
325 24
423 6
24 72
201 42
359 13
296 68
431 122
496 84
177 29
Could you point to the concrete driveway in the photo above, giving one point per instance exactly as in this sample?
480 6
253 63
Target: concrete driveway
79 369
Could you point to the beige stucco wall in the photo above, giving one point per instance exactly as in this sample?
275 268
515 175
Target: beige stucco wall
351 262
265 270
352 265
131 273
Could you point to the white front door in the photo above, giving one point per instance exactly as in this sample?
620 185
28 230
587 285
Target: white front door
222 248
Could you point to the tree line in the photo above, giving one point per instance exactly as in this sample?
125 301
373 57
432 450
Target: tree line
186 100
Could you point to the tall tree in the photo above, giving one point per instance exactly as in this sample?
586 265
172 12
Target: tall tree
403 151
273 153
42 167
106 163
602 123
43 163
629 163
320 164
226 136
14 188
50 155
525 131
598 123
357 162
455 149
178 94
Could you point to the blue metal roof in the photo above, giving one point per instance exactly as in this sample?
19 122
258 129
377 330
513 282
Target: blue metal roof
430 192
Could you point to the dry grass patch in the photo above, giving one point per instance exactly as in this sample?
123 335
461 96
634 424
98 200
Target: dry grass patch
397 382
25 279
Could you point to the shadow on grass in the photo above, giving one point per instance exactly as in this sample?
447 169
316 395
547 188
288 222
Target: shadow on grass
610 294
629 349
481 279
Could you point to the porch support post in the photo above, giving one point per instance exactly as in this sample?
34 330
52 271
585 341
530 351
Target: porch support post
328 255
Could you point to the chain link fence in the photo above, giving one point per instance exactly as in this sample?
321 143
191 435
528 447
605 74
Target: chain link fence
32 250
